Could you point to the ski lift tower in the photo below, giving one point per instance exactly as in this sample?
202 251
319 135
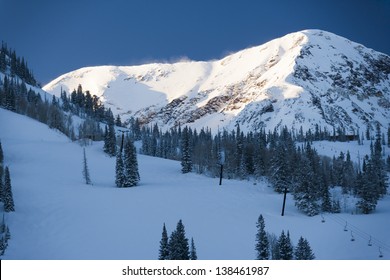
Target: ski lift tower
284 200
221 163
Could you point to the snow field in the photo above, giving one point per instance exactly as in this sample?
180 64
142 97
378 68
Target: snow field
59 217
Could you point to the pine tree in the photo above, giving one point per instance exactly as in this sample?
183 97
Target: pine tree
2 246
326 204
273 246
7 234
193 254
130 165
388 137
3 61
1 184
305 192
106 141
178 244
365 189
1 155
379 175
118 121
262 244
86 175
164 251
110 140
1 173
186 161
303 250
285 247
2 226
119 170
8 197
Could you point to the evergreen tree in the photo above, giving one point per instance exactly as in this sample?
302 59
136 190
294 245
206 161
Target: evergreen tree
262 244
186 161
388 137
1 184
119 170
305 192
193 254
86 176
379 172
178 244
326 205
281 169
3 61
7 234
1 155
164 251
106 140
2 246
130 165
303 250
110 140
273 246
285 247
118 121
65 101
8 197
1 173
366 189
2 226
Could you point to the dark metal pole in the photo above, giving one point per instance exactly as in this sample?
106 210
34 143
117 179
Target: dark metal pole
220 175
284 200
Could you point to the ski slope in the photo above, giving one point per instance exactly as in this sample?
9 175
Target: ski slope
59 217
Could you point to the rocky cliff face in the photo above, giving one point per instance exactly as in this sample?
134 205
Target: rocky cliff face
300 80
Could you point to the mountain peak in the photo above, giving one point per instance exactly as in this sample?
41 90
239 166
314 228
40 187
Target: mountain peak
303 79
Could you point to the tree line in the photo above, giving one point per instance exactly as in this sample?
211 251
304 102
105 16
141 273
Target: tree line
15 66
287 163
176 246
270 247
6 198
285 157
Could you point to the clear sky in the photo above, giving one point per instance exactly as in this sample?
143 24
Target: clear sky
56 37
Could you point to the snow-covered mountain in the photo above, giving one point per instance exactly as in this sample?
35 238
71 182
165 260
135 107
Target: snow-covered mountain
302 79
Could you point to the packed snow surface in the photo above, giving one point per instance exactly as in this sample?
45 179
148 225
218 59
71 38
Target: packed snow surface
59 217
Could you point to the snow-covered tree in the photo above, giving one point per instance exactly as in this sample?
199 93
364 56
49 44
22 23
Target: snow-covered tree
110 140
303 250
262 244
7 193
285 247
366 189
119 170
1 155
186 161
164 250
1 173
193 254
273 246
178 244
130 163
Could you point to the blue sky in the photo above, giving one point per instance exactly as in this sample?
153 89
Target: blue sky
56 37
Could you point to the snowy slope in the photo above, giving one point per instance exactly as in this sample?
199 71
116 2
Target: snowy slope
59 217
302 79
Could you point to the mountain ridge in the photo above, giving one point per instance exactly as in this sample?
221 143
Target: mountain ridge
306 78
